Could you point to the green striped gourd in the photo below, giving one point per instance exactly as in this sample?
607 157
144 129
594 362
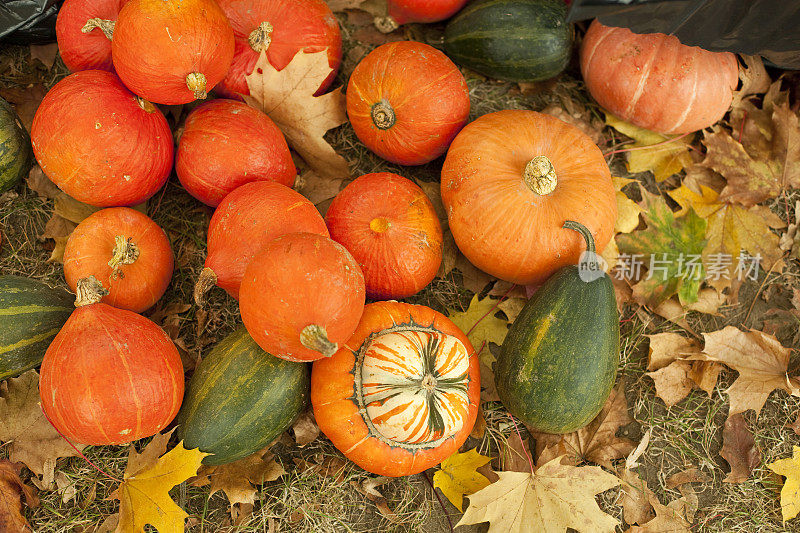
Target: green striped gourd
16 155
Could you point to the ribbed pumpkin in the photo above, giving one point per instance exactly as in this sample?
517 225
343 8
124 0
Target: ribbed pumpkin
246 220
405 11
654 81
110 376
406 101
172 51
510 181
392 230
100 143
302 296
84 29
15 148
226 144
402 394
282 28
126 251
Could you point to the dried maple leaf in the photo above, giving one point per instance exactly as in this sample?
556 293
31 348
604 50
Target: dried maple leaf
739 449
318 189
754 77
12 491
369 488
662 158
149 476
458 476
672 382
26 101
674 367
690 475
635 498
374 7
305 429
628 211
668 518
32 440
237 479
555 497
45 53
287 96
515 455
790 493
597 442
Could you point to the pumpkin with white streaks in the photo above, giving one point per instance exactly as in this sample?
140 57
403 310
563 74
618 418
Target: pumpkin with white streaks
402 394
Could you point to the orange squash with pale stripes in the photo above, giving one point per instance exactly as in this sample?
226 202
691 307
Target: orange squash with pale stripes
402 394
110 376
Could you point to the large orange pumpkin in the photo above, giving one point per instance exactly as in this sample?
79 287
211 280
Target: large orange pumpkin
402 394
246 220
392 230
110 376
654 81
100 143
282 28
510 181
83 30
172 51
126 251
226 144
301 296
406 101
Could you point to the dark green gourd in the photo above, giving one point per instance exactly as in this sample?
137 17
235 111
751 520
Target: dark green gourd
16 154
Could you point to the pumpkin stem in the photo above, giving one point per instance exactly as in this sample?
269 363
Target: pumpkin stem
379 224
90 291
196 82
383 115
583 230
261 37
540 176
207 279
106 26
315 338
145 105
125 253
385 24
428 382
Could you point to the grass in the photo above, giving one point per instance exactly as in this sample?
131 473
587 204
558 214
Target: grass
689 433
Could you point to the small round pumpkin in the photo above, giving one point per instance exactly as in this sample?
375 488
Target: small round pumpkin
424 11
84 29
402 394
246 220
510 181
172 51
391 228
226 144
406 101
654 81
302 296
124 249
110 376
282 28
99 143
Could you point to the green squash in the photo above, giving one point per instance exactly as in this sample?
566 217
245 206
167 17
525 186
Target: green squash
558 363
240 399
31 313
16 155
514 40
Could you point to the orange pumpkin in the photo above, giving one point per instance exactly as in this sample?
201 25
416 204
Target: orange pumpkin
406 101
247 219
510 181
84 29
110 376
405 11
226 144
654 81
282 28
402 394
392 230
124 249
301 296
172 51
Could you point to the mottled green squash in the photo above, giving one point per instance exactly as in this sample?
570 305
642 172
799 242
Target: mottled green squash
16 154
239 399
31 313
558 363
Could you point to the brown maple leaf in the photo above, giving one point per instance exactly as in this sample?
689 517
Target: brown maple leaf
305 429
739 449
514 454
12 491
675 369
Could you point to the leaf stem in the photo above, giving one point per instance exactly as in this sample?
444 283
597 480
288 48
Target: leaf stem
524 448
494 307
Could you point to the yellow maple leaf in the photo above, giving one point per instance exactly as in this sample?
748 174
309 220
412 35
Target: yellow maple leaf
552 499
480 323
628 211
287 96
458 476
790 493
663 160
144 492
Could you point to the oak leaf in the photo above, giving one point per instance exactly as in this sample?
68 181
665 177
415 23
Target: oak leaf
555 497
287 96
790 493
754 77
458 476
31 439
12 492
739 449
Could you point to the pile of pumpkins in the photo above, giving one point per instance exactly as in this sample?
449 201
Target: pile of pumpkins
394 386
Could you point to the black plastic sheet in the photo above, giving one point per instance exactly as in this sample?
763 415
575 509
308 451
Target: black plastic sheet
28 21
754 27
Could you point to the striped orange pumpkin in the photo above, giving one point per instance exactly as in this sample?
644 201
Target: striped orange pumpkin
402 394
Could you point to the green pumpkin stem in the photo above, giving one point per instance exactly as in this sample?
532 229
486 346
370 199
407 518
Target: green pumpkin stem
207 280
106 26
587 236
315 338
89 291
125 253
